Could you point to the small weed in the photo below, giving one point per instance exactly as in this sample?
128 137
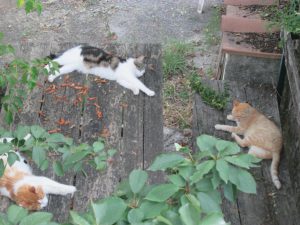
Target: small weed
209 96
209 72
174 57
212 30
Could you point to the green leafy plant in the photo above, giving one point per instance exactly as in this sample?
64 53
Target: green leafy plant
211 97
31 5
41 146
288 16
174 57
190 196
18 77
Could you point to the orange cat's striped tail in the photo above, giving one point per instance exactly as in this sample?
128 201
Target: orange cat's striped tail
274 170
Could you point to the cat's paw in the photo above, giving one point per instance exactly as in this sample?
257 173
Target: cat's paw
150 93
72 190
218 127
140 73
51 78
136 91
234 135
230 117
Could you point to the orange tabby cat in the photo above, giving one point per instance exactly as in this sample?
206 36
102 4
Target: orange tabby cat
261 135
27 190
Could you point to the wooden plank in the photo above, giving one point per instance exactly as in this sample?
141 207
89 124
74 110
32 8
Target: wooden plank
281 203
269 206
205 117
291 134
125 117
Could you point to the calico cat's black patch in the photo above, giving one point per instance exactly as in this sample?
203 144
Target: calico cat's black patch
96 56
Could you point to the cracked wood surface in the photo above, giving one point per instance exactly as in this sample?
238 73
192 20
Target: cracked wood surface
269 206
132 124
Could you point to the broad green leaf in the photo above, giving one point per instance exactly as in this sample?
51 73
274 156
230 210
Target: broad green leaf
161 192
37 131
36 218
135 216
16 213
56 138
4 148
21 132
8 116
204 185
230 191
137 180
163 220
173 217
58 168
152 209
209 202
2 168
186 172
244 160
98 146
214 219
215 180
223 169
38 155
189 215
77 219
165 161
3 218
12 157
44 165
243 180
75 157
109 210
227 147
206 143
202 169
177 180
194 201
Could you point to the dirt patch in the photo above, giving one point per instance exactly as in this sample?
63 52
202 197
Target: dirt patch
265 42
265 12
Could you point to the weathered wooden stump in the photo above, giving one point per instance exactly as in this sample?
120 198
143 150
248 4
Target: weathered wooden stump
269 206
133 125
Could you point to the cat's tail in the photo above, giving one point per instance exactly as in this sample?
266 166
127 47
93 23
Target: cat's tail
274 170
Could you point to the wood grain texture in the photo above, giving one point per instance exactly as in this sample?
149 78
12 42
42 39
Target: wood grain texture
130 124
269 206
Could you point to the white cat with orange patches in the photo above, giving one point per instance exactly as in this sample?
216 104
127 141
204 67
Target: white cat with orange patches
261 135
27 190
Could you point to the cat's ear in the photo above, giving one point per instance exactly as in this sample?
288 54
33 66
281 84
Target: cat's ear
236 103
32 189
140 59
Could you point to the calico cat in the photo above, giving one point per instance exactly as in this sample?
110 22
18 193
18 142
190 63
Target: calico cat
261 135
27 190
92 60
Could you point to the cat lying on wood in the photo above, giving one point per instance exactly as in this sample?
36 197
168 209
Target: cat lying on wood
92 60
261 135
27 190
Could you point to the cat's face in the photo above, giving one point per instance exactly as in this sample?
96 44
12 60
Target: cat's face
139 63
240 109
32 198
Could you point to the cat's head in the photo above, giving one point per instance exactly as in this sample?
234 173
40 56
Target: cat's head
31 197
241 109
139 63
